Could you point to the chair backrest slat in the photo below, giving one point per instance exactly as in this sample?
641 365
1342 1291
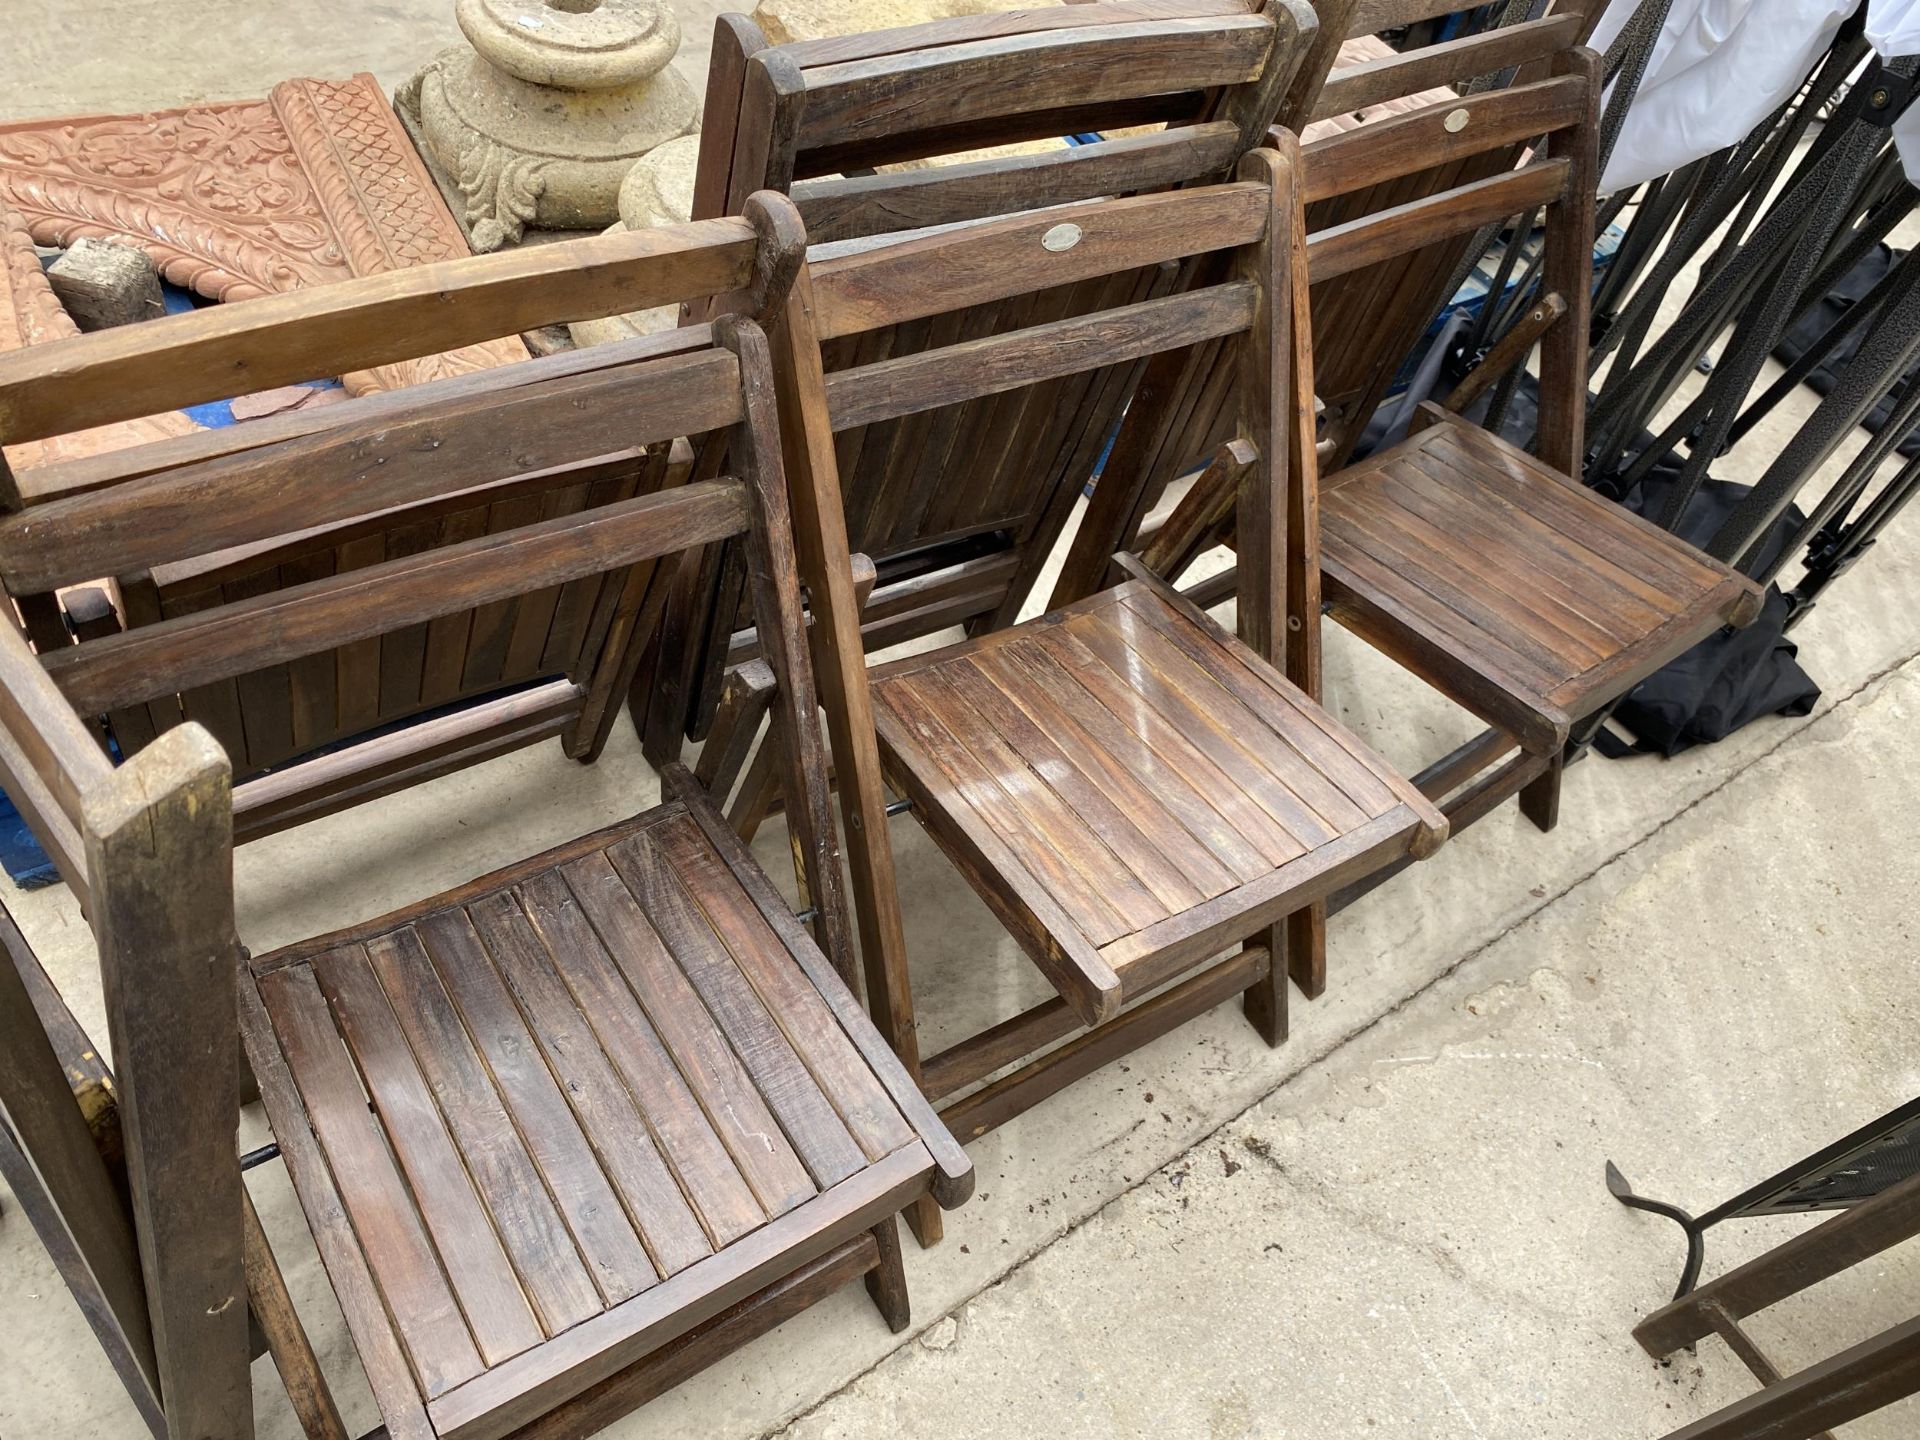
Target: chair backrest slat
957 29
233 639
1389 148
1387 234
420 452
866 290
1447 63
221 351
848 207
65 478
1015 74
993 365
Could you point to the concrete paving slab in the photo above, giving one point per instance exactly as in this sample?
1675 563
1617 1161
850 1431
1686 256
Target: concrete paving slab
1414 1239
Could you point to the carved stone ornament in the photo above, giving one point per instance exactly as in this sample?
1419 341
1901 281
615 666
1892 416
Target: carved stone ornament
540 121
313 184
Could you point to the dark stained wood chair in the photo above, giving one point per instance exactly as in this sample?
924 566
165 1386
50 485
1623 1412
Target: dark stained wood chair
813 118
329 729
563 1134
1365 324
1491 573
1131 789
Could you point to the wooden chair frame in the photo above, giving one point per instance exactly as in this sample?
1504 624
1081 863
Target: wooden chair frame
1255 221
1420 184
338 730
168 1277
793 117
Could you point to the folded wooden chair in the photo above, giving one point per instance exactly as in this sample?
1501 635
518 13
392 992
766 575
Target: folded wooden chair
1489 572
1366 325
1131 789
311 734
567 1131
813 118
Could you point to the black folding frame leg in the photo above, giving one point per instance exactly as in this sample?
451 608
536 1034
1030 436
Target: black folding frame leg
1696 1232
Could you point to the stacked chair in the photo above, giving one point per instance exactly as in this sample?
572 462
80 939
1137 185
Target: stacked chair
564 1132
576 1128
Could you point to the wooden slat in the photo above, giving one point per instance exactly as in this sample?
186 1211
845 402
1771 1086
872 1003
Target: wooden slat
384 1359
1392 146
1001 258
1263 694
468 1250
516 1196
356 469
412 1284
65 478
657 962
1386 234
514 1393
1253 763
1392 77
730 1164
790 999
956 29
216 352
1140 738
967 371
954 1182
860 99
848 207
212 645
1152 957
628 1158
1162 874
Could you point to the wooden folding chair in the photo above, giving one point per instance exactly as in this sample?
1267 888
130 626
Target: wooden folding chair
1364 327
325 730
951 112
1128 787
564 1133
1490 573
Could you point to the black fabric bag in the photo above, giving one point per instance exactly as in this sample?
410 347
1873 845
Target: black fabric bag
1733 676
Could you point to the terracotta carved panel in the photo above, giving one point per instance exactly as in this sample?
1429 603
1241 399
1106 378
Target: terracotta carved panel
30 314
313 184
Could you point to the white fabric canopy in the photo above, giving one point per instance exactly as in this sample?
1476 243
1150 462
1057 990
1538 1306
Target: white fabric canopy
1719 68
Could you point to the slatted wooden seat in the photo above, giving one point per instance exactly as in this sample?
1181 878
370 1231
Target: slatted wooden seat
1142 788
614 1089
1130 789
562 1135
1466 557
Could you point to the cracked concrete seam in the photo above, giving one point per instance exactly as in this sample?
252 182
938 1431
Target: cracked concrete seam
1836 712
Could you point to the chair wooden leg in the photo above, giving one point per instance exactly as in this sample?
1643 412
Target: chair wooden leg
1540 799
287 1339
924 1219
887 1281
1265 1001
1307 949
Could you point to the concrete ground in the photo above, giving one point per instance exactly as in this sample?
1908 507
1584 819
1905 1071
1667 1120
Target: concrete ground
1393 1225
